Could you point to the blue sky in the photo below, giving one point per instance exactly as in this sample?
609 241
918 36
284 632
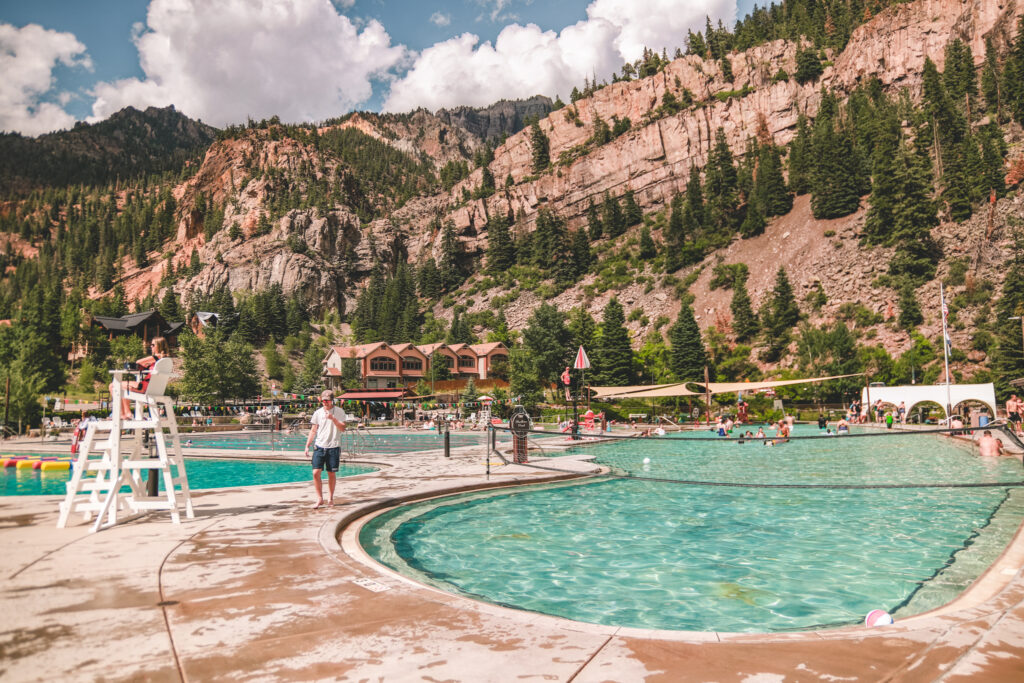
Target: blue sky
223 60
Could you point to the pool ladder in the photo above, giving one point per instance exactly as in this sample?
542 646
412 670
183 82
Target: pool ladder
360 441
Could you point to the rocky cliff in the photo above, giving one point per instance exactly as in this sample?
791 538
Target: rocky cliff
652 159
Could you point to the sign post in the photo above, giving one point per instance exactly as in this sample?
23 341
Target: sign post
519 425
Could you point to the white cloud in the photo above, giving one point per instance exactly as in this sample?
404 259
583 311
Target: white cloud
28 56
525 61
438 19
223 61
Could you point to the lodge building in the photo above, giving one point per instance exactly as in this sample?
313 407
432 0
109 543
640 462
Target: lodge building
389 366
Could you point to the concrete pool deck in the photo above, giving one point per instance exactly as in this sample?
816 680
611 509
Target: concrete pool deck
261 587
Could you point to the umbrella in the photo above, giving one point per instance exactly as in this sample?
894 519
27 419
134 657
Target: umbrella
484 398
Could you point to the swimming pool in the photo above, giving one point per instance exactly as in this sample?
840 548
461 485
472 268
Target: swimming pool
364 443
203 473
657 553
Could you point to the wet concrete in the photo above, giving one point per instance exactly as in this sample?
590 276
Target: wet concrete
261 587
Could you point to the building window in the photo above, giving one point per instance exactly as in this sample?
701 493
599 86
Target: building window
467 362
412 363
450 362
383 364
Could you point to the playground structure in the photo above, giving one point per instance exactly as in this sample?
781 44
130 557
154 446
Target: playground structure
101 469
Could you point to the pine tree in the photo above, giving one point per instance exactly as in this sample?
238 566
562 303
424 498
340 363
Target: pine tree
614 350
648 249
990 77
500 250
1008 357
546 341
958 73
721 186
612 220
779 317
838 177
169 307
1012 93
726 66
914 216
687 357
429 280
754 222
808 66
582 256
448 268
582 328
540 148
800 158
594 228
773 196
910 312
631 210
744 322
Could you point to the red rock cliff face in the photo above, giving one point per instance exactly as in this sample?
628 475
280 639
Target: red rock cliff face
654 160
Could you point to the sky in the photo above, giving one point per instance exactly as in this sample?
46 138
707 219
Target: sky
223 61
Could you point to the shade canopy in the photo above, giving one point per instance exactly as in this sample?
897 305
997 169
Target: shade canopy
700 389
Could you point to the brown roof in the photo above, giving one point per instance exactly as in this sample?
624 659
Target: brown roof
484 349
360 351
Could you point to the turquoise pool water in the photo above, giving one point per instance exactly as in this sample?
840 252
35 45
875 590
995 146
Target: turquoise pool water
655 553
375 442
202 474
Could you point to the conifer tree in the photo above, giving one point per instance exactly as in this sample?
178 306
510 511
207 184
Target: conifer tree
612 219
614 351
500 250
958 73
546 342
744 322
582 256
429 279
773 196
779 317
754 222
694 210
838 176
990 78
540 148
687 355
169 307
448 268
1012 93
721 186
808 66
1008 357
594 228
648 249
910 311
631 210
582 328
914 215
800 159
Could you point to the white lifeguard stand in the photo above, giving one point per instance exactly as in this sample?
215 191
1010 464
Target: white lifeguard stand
100 454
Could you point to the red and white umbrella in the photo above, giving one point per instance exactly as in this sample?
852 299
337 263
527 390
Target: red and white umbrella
582 362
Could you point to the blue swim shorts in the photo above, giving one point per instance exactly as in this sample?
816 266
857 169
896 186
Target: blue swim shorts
326 458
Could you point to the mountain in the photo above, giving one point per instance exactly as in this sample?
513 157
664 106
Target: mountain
829 106
129 144
499 119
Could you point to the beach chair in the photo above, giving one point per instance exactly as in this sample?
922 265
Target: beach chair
152 413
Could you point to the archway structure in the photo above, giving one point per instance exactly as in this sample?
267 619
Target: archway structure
912 394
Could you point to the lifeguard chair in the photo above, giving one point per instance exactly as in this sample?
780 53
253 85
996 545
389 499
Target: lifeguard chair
102 470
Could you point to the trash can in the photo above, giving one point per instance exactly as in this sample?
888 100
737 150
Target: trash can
983 420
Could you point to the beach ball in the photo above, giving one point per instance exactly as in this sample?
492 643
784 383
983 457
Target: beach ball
878 617
647 461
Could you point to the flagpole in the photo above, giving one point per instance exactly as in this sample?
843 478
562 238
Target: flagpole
945 351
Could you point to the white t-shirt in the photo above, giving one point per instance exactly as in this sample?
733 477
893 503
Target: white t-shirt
327 433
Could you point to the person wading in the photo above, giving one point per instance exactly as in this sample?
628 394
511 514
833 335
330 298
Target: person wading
328 422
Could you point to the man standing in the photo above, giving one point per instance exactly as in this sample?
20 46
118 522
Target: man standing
1014 408
328 423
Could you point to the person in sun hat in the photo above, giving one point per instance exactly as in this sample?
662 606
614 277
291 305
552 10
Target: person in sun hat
327 424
